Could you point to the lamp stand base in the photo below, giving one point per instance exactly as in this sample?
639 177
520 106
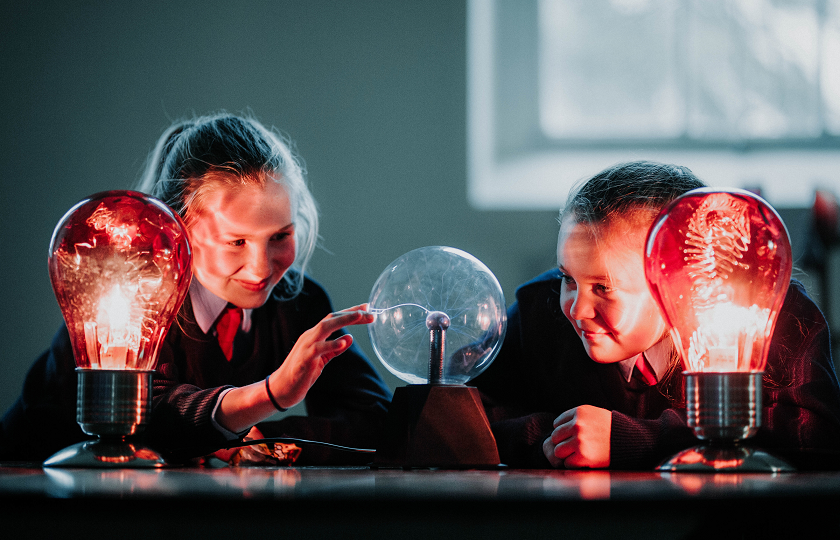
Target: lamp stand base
723 459
106 454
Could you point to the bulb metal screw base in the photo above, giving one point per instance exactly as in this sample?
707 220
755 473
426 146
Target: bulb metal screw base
111 405
723 409
723 406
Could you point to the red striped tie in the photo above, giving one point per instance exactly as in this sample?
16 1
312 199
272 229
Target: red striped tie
226 328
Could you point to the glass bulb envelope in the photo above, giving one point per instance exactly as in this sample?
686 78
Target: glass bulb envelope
719 262
119 263
409 299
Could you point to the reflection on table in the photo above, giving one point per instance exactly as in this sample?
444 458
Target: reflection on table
415 503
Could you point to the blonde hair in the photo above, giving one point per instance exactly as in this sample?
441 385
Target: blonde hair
194 157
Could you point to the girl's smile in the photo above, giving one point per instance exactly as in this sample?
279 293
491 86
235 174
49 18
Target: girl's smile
258 286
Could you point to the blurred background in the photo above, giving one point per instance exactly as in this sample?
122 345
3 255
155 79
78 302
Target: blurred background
431 122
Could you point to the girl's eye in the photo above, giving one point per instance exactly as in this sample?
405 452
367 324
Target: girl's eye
601 288
237 243
280 236
567 279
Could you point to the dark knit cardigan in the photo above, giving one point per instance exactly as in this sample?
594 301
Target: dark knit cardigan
543 370
346 405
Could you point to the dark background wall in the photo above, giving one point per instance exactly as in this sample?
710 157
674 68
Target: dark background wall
373 92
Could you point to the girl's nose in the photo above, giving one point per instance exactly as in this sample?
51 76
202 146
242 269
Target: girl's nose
259 262
581 307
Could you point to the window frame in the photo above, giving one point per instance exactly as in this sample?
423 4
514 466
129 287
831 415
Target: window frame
529 170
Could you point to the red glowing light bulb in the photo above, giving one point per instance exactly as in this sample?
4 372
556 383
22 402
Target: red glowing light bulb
119 264
719 262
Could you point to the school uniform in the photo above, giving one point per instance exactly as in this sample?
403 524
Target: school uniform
542 370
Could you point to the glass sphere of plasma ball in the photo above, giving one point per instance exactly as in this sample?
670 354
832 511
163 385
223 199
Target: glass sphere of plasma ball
409 299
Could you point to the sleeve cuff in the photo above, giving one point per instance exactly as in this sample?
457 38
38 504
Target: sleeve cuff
229 435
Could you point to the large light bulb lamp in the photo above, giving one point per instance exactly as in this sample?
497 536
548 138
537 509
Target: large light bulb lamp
440 321
718 262
119 264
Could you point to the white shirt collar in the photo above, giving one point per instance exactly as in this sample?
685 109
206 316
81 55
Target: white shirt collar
207 307
658 356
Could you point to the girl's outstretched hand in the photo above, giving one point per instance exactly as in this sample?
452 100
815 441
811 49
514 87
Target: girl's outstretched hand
581 438
312 351
243 407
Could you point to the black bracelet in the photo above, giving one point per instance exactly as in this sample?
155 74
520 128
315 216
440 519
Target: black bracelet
271 396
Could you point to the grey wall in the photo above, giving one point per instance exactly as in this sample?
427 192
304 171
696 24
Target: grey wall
373 93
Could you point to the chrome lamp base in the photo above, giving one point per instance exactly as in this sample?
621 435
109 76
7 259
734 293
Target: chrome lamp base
731 458
111 405
103 453
724 409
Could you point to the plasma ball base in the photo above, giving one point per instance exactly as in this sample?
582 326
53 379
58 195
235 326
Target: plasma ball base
437 426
